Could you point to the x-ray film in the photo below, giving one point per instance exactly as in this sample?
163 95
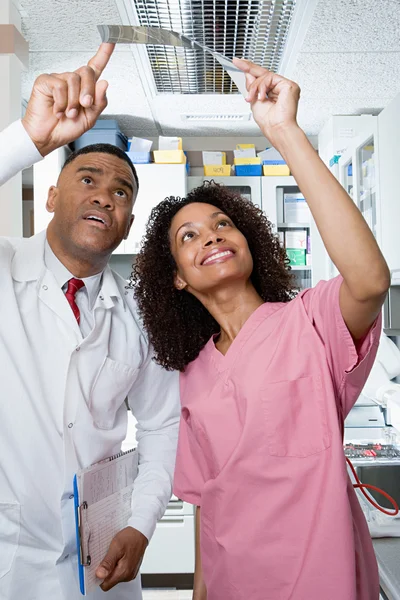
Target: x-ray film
127 34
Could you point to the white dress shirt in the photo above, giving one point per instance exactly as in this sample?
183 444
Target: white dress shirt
85 297
62 408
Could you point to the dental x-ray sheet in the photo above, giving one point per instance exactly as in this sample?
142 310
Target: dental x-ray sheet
127 34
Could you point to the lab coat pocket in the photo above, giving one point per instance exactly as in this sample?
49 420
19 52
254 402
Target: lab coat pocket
9 534
296 417
109 391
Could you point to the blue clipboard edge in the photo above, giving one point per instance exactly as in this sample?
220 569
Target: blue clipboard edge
78 538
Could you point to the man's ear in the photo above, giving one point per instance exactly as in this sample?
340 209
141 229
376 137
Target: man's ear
129 226
179 283
52 199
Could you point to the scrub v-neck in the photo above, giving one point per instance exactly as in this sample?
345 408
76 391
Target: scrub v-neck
222 362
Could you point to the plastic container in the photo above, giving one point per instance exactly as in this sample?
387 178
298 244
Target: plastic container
169 157
248 170
275 168
248 160
217 170
103 132
139 158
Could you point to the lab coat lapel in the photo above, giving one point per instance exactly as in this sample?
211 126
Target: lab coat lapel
28 265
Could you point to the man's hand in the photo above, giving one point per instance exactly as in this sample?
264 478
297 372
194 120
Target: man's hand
63 106
273 99
123 559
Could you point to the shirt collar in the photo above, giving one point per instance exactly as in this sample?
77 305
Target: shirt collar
62 275
28 264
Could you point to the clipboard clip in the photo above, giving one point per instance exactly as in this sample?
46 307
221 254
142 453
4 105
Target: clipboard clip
84 533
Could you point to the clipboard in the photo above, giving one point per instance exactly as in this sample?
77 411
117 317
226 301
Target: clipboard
102 502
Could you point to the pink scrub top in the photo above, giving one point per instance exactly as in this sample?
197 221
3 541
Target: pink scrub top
261 451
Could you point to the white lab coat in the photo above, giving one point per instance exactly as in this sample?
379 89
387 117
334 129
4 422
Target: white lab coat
45 363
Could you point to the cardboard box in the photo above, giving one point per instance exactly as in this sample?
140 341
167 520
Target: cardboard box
295 209
217 170
169 157
214 158
296 239
297 257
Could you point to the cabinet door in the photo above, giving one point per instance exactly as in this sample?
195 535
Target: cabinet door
248 187
156 182
172 547
389 160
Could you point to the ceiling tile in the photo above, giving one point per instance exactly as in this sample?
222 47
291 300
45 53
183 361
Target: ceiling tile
66 24
354 26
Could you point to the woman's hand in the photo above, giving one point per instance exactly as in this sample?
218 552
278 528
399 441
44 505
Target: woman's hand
63 106
273 99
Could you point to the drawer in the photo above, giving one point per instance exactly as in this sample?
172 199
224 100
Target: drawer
179 508
172 547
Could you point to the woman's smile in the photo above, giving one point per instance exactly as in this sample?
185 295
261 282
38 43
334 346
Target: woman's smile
218 255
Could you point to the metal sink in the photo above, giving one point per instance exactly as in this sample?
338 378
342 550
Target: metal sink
386 477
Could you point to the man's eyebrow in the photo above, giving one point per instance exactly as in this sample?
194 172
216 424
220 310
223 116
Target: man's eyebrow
91 170
124 182
98 171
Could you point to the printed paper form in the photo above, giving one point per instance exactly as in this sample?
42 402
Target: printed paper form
103 521
106 488
108 477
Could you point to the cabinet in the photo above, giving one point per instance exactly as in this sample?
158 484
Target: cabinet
364 154
289 224
248 187
156 182
172 548
358 174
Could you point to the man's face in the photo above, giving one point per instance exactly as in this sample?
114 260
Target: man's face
92 203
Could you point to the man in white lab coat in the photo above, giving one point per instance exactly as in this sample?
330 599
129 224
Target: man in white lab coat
70 354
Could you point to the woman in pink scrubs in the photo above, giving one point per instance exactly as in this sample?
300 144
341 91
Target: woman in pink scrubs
266 379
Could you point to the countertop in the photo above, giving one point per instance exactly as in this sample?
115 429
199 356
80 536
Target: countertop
387 552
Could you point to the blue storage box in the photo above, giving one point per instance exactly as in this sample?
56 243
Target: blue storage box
139 158
103 132
246 170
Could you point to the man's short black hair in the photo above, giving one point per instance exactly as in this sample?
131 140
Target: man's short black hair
103 149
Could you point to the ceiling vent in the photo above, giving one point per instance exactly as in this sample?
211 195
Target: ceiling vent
252 29
216 117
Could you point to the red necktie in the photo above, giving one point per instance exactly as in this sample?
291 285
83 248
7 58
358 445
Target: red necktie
73 286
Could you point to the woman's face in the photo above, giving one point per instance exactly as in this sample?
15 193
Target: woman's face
208 249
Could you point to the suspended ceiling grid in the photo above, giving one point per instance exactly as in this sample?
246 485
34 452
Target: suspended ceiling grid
349 63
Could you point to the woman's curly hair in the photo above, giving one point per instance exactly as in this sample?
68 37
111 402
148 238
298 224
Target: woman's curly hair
177 323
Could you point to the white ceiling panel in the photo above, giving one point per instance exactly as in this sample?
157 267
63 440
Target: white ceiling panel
349 64
354 26
65 24
354 75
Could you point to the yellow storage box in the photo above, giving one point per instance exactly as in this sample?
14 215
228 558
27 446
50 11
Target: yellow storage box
217 170
244 146
276 170
248 161
169 157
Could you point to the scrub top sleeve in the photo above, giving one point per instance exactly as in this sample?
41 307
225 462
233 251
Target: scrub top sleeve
349 364
190 469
